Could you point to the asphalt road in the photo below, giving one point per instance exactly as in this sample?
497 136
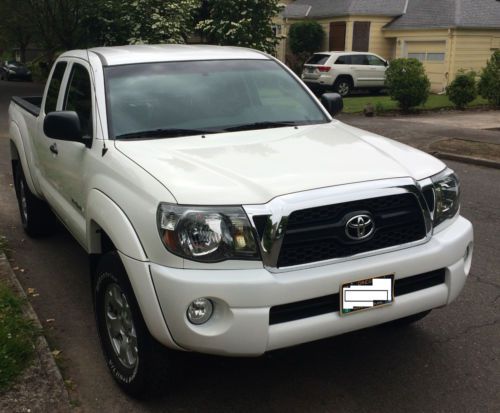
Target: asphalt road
448 362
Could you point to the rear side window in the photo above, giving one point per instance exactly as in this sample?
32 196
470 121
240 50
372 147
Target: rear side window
318 59
344 60
359 59
54 86
79 97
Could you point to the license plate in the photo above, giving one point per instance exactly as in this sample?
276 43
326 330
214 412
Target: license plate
366 294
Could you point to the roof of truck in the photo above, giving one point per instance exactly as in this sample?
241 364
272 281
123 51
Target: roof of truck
122 55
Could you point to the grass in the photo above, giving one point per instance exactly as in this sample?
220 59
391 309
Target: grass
17 336
356 104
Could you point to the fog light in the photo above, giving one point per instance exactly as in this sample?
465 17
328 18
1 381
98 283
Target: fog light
200 311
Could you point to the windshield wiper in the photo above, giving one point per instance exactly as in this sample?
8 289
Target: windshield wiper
261 125
163 133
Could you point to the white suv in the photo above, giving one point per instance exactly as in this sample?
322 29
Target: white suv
345 71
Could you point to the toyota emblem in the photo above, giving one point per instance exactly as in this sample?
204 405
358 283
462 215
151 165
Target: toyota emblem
360 227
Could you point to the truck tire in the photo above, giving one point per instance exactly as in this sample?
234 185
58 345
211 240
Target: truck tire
36 217
132 355
343 86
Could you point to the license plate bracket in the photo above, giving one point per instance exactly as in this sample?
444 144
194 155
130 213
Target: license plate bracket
366 294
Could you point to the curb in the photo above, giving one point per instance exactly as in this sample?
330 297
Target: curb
467 159
41 346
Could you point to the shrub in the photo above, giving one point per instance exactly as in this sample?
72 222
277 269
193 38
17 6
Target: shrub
407 83
306 37
463 90
489 84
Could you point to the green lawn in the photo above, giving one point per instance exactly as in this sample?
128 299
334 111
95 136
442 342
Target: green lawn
355 104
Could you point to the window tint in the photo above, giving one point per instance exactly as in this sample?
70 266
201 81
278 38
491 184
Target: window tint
79 97
344 60
54 86
359 59
375 61
318 59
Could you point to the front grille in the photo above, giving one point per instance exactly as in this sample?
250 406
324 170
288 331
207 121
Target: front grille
331 303
318 234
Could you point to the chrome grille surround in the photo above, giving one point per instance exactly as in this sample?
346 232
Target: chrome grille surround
278 210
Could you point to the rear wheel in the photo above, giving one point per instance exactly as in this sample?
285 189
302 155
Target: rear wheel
343 86
36 217
132 355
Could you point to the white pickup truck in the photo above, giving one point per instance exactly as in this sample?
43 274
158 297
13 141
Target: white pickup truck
224 210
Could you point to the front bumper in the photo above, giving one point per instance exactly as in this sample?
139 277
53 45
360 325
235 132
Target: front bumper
240 324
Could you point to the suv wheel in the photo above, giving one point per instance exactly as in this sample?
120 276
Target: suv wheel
131 353
36 217
343 86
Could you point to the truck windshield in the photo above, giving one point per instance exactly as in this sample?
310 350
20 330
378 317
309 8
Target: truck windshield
161 100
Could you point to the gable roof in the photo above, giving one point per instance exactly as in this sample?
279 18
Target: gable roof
408 14
332 8
439 14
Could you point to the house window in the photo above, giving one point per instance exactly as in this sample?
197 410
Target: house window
277 30
435 57
418 56
361 37
427 57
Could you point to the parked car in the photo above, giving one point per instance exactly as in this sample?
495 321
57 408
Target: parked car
224 209
344 71
11 69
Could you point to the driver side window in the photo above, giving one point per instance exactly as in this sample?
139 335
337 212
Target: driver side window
79 97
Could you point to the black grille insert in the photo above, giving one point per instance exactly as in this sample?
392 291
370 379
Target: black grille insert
318 234
331 303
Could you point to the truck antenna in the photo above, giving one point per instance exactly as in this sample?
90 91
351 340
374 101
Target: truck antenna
104 148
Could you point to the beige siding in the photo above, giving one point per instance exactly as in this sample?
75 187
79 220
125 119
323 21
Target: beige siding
474 48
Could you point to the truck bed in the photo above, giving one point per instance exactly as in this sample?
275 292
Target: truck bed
32 104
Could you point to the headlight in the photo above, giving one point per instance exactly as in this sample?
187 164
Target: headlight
446 196
207 234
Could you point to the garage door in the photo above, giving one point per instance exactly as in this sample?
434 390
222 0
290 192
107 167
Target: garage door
433 56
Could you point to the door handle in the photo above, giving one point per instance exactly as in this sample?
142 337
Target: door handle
53 148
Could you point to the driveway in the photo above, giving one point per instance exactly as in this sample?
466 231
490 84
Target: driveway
448 362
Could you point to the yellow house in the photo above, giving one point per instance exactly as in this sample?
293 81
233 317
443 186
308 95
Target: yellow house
445 35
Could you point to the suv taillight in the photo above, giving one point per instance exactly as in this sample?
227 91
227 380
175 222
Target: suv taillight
324 69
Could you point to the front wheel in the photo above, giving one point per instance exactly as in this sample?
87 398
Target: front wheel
131 353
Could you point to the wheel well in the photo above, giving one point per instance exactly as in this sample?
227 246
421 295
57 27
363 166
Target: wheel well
101 244
345 77
14 156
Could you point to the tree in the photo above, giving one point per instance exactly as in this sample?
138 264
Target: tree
16 27
489 83
463 89
407 83
306 37
246 23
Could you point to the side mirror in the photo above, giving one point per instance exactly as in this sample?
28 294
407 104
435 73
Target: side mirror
333 103
65 126
386 63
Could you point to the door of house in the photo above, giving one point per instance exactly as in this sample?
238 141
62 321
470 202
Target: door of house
337 36
361 37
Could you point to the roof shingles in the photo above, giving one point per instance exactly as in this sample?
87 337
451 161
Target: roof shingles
420 14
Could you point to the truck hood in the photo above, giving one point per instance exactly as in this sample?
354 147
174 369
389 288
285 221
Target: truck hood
253 167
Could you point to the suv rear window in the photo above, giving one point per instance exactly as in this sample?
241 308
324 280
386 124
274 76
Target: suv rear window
318 59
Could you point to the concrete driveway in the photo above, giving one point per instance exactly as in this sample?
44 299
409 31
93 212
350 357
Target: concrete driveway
448 362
